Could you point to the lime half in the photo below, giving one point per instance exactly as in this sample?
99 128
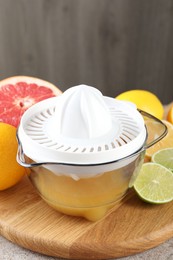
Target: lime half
164 157
154 183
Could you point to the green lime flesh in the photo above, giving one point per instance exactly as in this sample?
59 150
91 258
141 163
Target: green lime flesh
154 183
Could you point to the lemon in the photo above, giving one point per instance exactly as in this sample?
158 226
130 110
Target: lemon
154 183
170 114
166 142
144 100
10 171
164 157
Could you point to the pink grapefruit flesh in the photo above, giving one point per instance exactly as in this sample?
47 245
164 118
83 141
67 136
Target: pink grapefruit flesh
18 93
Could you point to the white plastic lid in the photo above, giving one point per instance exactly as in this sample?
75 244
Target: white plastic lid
81 126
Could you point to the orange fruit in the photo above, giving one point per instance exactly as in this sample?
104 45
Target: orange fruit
170 114
144 100
166 142
10 171
18 93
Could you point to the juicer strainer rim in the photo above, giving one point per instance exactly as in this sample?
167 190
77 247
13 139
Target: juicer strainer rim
39 143
21 160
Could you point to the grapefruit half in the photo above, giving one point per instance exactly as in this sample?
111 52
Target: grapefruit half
18 93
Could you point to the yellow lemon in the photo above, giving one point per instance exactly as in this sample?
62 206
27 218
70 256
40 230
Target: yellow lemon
10 171
144 100
170 114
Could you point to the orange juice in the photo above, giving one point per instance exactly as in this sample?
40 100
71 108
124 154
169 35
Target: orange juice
87 197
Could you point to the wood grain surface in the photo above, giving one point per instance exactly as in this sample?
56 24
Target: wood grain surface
112 45
134 226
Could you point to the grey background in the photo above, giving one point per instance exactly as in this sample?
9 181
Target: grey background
113 45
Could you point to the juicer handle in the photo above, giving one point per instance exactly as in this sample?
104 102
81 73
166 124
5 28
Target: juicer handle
20 157
155 121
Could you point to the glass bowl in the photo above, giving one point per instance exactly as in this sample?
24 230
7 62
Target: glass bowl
98 188
87 197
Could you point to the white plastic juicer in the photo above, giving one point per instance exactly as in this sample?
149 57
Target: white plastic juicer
84 149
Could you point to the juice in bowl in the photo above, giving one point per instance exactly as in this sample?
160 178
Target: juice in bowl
84 149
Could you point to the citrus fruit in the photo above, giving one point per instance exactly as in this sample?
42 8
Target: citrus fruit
18 93
170 114
164 157
154 183
10 171
144 100
166 142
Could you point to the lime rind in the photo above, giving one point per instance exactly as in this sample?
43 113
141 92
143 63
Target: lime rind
164 157
154 183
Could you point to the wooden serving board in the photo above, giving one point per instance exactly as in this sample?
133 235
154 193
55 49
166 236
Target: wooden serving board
132 227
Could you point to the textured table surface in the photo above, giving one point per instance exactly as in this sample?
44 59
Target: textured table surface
10 251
